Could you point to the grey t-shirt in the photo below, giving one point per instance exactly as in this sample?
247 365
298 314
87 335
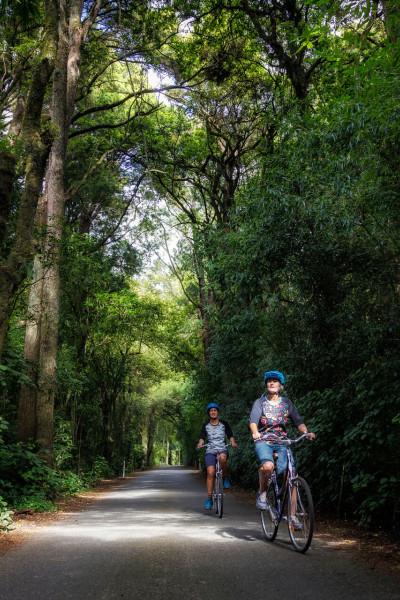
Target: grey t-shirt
215 436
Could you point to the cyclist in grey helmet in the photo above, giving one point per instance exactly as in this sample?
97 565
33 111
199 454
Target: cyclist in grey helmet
214 432
271 413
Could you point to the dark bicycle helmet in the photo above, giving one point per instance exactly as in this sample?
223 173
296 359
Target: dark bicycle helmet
212 405
274 375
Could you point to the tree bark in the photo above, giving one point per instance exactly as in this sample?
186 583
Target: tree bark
27 398
71 34
26 424
151 430
35 145
55 208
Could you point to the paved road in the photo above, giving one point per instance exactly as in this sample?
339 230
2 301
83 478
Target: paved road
150 539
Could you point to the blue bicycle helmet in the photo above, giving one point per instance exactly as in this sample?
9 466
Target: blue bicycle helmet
274 375
212 405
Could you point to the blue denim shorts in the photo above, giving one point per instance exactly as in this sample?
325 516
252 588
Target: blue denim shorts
211 458
265 451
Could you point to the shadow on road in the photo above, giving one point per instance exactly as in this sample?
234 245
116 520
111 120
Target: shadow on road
246 535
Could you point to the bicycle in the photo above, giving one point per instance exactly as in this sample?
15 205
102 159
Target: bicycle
295 495
218 491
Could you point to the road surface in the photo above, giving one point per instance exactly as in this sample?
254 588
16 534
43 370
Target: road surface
150 538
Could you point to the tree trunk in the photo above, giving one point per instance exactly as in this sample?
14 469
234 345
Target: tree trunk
151 430
28 393
35 145
107 414
71 34
55 208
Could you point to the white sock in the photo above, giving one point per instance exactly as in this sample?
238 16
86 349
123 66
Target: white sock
263 496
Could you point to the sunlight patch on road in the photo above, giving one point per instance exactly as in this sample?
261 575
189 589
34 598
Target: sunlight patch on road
339 543
142 493
147 526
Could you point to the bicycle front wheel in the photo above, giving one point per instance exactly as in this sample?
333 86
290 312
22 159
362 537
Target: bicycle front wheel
269 517
219 497
301 518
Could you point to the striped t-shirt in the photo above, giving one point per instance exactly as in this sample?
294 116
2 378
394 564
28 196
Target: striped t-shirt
215 436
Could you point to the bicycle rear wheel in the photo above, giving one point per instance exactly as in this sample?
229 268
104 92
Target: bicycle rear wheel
301 519
219 496
269 517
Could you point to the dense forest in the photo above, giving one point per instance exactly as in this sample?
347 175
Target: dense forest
191 192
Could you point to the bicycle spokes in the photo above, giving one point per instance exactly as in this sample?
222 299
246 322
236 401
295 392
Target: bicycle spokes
300 515
270 516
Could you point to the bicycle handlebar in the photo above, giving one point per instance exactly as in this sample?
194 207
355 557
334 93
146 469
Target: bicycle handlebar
284 441
204 446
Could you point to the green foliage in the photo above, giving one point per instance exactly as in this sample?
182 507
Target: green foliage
303 274
35 502
5 516
24 474
99 470
27 11
28 483
63 443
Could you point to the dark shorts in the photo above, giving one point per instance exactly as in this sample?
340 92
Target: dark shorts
211 459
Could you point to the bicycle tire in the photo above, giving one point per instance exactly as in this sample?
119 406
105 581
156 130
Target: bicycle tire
301 535
219 497
269 517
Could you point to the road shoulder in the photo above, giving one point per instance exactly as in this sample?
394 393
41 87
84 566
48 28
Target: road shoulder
25 524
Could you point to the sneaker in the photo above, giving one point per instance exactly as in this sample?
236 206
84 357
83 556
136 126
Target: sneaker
208 504
260 504
296 524
227 484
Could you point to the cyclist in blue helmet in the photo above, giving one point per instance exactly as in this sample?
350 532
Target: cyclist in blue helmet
272 413
214 432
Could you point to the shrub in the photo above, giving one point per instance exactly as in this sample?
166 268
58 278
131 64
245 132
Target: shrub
5 516
35 503
100 470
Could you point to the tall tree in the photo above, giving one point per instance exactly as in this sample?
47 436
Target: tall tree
34 139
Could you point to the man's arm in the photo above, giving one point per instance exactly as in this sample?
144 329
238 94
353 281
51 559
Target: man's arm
229 435
203 437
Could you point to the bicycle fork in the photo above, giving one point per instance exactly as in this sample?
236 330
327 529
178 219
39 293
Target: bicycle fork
274 511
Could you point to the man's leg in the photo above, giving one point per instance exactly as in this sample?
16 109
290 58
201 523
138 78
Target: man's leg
210 461
210 480
223 459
